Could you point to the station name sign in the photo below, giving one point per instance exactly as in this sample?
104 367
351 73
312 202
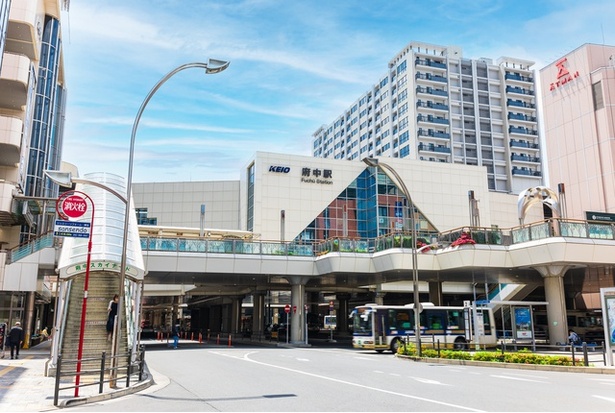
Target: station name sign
308 175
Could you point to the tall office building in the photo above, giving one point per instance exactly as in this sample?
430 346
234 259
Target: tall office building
32 100
4 21
435 105
578 96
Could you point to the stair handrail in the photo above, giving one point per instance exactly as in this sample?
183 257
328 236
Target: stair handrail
63 302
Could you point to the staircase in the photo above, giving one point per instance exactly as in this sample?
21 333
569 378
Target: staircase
102 287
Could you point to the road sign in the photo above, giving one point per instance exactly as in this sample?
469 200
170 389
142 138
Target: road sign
73 206
71 229
287 309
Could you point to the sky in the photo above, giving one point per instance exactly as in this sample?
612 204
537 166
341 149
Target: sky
294 66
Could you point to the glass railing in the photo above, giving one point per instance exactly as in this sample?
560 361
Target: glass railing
22 251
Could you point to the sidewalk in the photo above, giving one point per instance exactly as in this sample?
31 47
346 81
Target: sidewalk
25 388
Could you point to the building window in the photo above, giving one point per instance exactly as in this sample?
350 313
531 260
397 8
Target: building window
597 95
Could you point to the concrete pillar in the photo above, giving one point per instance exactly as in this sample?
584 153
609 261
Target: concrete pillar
297 311
236 302
379 297
435 292
344 311
258 313
29 319
553 276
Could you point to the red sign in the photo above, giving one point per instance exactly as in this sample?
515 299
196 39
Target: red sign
563 74
287 309
73 206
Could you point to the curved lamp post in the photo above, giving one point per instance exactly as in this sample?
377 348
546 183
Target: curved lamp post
394 176
212 66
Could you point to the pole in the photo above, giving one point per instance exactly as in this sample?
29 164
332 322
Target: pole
394 176
84 304
211 67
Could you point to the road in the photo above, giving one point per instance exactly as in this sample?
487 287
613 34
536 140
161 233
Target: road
257 379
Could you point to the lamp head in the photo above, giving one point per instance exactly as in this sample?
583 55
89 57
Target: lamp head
216 66
59 177
371 161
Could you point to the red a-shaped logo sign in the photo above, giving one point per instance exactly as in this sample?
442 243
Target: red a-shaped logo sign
561 70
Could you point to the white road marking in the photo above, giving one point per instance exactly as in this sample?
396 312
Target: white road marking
457 406
517 378
429 381
608 399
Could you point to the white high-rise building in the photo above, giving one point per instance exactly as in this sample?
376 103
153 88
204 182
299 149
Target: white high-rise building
435 105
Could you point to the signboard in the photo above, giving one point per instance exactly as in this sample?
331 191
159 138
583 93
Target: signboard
599 216
607 296
523 322
287 308
330 322
71 229
73 206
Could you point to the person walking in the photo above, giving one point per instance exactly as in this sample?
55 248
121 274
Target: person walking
111 313
15 339
175 334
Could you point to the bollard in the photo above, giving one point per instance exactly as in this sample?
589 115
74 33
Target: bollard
200 338
218 340
229 340
585 355
192 336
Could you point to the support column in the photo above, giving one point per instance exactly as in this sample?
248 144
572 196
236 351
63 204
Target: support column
297 311
379 296
553 276
258 311
435 292
342 316
29 318
236 302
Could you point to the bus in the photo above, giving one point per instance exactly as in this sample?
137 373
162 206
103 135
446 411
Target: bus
385 327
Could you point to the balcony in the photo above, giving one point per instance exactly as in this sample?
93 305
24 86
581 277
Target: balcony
523 144
434 148
431 105
434 133
519 90
525 171
432 119
520 104
431 91
522 117
521 130
10 140
430 63
524 158
518 77
430 77
14 81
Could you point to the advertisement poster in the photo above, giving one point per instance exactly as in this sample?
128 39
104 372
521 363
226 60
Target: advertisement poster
610 317
523 322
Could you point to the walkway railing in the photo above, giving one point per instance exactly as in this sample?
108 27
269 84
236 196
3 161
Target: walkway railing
481 235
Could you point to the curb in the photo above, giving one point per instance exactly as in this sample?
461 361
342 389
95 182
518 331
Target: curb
518 366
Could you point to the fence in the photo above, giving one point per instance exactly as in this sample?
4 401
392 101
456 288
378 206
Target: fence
65 373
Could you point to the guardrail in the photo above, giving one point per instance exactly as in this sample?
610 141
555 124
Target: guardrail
96 377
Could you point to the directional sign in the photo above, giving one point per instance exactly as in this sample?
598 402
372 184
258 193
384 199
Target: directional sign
71 229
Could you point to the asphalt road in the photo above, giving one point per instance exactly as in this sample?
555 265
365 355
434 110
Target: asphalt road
257 379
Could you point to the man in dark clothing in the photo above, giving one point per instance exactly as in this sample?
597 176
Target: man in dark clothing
15 339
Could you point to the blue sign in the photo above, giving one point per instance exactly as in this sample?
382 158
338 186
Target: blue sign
71 229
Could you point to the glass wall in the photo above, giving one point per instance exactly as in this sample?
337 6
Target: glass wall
371 206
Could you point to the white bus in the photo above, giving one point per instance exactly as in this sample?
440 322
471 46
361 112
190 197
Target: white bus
384 327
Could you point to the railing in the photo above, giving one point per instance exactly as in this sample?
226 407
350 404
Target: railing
554 227
45 241
132 368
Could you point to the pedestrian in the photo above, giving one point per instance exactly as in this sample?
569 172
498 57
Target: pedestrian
111 313
175 334
15 339
573 338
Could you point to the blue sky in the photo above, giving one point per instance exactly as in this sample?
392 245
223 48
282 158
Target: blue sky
295 65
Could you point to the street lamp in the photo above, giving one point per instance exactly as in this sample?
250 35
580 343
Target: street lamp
212 66
394 176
